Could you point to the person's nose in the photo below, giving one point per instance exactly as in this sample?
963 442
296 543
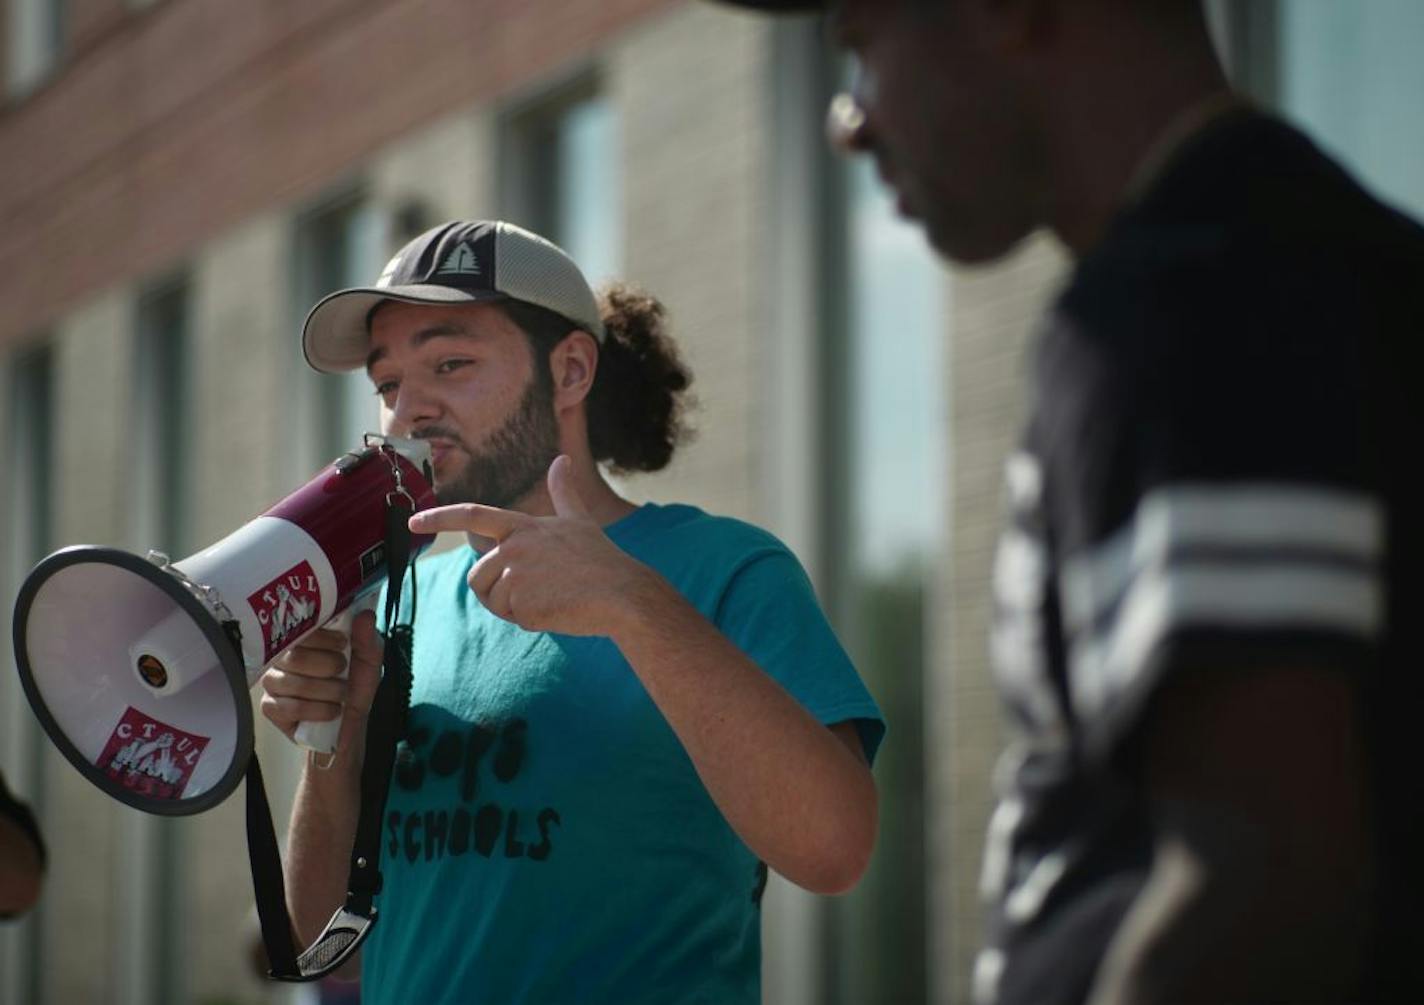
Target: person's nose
847 125
414 407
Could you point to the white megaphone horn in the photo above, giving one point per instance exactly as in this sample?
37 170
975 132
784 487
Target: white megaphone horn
139 669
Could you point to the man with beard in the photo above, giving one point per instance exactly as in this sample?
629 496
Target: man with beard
622 715
1204 591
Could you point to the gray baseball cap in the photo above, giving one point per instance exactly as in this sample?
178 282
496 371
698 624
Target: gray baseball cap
466 261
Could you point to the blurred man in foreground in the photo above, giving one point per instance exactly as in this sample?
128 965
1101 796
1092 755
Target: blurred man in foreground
22 856
1203 588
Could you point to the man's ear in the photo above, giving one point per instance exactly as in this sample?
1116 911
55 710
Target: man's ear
572 364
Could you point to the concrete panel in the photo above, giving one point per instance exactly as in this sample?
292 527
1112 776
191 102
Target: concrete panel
446 168
94 364
995 313
242 340
690 91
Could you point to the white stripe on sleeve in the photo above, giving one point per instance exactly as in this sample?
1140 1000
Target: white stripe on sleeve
1220 595
1252 518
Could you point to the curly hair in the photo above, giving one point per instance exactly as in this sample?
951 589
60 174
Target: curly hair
638 404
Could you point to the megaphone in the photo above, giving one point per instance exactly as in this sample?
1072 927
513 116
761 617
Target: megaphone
139 668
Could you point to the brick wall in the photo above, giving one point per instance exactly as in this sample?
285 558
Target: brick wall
177 123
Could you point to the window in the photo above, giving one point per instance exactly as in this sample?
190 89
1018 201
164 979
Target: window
29 536
561 176
1346 73
894 473
162 422
897 327
340 243
34 40
857 441
154 877
1351 75
31 433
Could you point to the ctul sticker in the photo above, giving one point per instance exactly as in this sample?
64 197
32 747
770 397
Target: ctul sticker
286 607
151 757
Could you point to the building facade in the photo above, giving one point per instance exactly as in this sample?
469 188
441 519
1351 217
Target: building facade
181 179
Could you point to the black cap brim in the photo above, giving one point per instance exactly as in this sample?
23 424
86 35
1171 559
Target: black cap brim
335 337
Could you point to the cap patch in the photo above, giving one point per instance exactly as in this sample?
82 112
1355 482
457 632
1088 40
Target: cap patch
460 262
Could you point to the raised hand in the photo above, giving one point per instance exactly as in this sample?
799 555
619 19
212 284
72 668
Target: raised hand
555 574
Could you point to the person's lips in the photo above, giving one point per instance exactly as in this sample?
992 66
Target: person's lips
441 448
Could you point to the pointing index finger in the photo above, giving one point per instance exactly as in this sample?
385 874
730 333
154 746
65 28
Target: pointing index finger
472 518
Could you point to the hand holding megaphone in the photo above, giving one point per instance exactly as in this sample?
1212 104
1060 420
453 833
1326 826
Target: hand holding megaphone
334 670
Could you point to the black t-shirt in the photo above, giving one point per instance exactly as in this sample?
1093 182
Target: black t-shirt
1217 471
13 810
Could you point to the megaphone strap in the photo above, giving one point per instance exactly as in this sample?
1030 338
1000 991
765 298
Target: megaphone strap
386 723
342 935
351 923
268 886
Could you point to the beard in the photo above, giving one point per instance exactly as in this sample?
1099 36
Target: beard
514 459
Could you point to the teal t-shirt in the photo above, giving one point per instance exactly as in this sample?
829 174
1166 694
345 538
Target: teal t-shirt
547 838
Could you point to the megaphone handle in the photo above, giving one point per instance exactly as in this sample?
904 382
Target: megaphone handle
320 737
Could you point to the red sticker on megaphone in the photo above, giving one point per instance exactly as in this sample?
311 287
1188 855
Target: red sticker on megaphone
151 757
286 607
